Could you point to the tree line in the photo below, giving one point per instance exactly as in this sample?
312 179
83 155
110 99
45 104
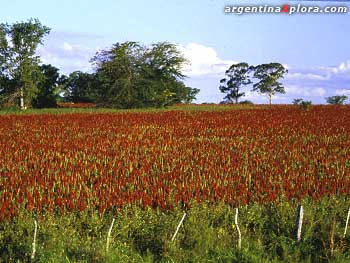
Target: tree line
242 74
127 75
266 82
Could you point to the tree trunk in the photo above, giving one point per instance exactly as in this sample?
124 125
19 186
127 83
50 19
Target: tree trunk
236 99
270 98
21 99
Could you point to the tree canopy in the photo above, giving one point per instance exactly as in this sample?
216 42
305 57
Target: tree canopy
80 87
128 75
236 77
241 74
336 100
268 76
19 65
132 75
49 87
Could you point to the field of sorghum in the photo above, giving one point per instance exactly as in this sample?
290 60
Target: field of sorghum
105 162
73 162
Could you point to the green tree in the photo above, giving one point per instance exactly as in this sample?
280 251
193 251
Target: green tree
297 101
118 69
18 62
304 105
80 87
131 75
165 60
336 100
237 76
49 87
184 94
246 102
268 76
8 94
162 68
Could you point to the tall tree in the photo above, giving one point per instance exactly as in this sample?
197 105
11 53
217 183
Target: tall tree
268 76
237 76
118 69
18 62
165 60
132 75
162 67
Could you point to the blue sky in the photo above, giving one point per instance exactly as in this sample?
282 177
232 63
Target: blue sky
314 47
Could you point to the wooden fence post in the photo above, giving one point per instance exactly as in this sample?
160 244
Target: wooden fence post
34 240
299 222
238 230
347 222
178 227
109 235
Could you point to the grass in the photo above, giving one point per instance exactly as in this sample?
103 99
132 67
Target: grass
185 107
207 235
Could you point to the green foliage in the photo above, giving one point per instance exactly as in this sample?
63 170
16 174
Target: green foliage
303 105
80 87
268 76
336 100
246 102
117 70
208 234
19 65
297 101
130 75
237 76
8 94
48 88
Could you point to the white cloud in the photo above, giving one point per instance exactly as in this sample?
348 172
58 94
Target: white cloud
67 56
308 76
342 68
67 47
286 66
203 60
304 91
250 95
318 91
76 50
345 92
296 90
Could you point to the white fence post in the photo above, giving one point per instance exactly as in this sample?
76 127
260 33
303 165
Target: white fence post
178 227
299 222
34 240
109 235
238 230
347 222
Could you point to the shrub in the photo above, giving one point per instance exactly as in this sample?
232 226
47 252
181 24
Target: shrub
336 100
248 102
303 104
